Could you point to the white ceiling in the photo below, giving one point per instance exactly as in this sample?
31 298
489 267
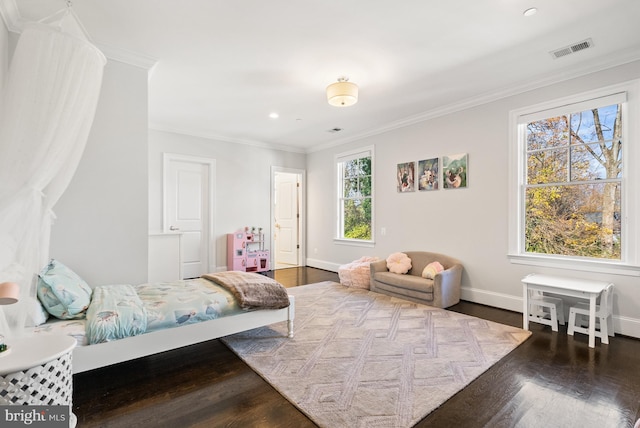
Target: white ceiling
221 67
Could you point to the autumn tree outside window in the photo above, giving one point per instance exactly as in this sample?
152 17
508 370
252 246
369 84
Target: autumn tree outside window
575 190
573 186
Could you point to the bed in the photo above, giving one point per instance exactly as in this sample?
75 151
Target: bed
122 322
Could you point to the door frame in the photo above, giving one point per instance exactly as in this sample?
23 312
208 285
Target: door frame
211 164
301 173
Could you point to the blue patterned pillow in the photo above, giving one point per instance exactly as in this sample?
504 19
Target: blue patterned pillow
62 292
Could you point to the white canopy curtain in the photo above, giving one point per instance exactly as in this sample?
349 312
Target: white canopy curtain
46 111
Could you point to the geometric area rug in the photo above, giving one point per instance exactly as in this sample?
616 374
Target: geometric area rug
364 359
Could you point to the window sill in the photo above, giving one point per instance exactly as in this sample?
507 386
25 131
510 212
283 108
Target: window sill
575 264
354 242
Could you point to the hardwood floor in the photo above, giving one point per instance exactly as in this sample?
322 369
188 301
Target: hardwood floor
551 380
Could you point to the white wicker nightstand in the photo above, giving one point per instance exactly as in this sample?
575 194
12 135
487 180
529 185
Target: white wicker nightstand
37 370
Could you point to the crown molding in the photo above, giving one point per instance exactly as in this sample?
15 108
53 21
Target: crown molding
224 139
15 23
589 67
614 60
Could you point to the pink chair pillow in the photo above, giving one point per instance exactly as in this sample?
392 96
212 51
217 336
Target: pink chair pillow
398 263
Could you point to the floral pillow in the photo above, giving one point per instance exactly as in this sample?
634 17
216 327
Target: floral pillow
432 269
398 263
62 292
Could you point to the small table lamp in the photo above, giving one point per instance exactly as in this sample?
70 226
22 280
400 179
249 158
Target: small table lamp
9 294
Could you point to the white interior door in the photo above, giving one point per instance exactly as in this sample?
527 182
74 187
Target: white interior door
187 211
286 219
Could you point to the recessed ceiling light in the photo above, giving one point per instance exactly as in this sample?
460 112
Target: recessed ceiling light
274 115
530 12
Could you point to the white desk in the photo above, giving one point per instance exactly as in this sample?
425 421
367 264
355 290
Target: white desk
580 288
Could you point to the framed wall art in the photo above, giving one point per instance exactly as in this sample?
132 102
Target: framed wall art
406 177
455 171
428 174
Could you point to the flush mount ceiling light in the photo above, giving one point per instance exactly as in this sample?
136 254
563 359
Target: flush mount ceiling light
530 12
342 93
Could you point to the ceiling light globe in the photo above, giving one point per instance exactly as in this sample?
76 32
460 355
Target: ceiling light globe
342 93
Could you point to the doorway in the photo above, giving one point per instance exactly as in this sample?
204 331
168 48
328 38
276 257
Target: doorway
188 210
287 214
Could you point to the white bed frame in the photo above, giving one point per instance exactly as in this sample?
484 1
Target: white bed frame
105 354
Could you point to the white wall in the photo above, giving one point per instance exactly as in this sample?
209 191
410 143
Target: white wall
102 219
242 182
470 224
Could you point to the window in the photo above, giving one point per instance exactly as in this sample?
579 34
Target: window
575 191
355 195
573 181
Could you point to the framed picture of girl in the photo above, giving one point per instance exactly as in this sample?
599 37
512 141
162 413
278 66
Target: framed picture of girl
428 174
454 171
406 176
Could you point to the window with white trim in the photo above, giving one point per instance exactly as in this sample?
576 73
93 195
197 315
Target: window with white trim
573 184
355 195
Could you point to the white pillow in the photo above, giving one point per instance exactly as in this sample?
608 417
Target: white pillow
398 263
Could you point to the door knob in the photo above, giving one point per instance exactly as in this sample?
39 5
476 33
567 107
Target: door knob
173 228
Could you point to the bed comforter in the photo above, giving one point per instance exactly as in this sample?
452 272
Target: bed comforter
118 311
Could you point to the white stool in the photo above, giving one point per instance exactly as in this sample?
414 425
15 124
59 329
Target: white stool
554 314
604 316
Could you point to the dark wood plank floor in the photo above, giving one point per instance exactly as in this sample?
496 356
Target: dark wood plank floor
552 380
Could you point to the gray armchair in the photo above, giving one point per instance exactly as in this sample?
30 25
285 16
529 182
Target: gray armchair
442 291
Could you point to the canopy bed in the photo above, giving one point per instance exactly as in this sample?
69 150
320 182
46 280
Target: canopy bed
48 103
121 322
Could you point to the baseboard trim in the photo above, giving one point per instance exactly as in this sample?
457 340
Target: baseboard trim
621 325
627 326
321 264
491 298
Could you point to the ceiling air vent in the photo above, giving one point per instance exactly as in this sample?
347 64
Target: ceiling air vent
585 44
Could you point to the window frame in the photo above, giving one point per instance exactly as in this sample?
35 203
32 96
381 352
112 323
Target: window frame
629 264
339 159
